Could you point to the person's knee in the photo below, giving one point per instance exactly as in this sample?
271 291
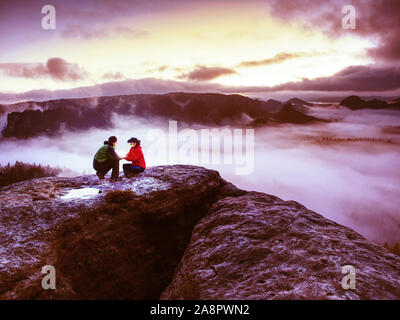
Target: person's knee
115 163
137 169
96 165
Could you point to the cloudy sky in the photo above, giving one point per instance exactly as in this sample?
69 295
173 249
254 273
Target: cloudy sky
255 47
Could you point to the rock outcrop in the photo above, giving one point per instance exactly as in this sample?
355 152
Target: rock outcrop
297 101
356 103
287 114
178 232
124 246
258 246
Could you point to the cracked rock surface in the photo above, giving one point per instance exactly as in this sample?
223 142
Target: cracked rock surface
257 246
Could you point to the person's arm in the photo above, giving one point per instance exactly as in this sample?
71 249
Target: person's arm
113 154
134 154
129 156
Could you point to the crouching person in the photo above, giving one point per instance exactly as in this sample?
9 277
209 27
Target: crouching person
106 158
135 155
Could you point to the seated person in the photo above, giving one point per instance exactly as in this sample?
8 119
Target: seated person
135 155
106 158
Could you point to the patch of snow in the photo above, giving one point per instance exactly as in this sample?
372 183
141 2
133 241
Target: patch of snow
83 193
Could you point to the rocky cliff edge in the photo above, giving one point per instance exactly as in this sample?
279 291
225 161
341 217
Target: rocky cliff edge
178 232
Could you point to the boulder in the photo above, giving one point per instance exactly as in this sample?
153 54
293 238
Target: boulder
257 246
119 245
356 103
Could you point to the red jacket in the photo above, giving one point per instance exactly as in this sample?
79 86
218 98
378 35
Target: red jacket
136 156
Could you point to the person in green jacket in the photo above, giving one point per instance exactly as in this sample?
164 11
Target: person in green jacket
106 158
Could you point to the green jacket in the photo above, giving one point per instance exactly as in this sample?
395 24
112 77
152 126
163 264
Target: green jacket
105 153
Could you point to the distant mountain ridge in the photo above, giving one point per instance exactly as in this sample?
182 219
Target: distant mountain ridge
29 119
48 117
297 101
357 103
337 99
288 114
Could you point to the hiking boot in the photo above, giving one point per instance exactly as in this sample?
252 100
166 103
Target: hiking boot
100 175
115 179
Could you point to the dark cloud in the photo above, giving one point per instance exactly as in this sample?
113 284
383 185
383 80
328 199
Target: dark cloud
55 68
203 73
376 19
354 78
23 70
389 48
381 19
62 70
278 58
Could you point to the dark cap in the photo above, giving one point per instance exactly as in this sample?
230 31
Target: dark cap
112 139
134 140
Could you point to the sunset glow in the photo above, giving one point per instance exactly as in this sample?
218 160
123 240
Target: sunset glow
228 43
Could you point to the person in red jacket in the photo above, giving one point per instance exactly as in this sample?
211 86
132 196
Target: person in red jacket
135 155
